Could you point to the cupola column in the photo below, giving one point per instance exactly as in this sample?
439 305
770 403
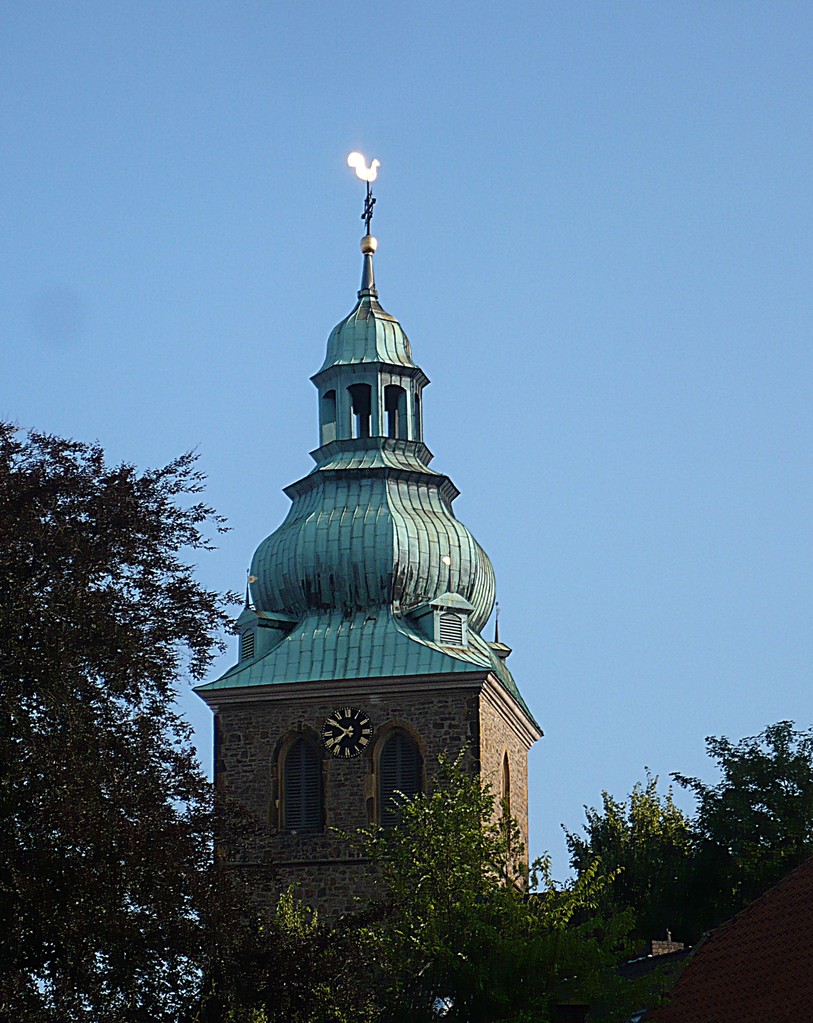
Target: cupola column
376 417
343 410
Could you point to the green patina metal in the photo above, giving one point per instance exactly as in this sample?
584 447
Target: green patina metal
367 537
368 334
368 644
371 538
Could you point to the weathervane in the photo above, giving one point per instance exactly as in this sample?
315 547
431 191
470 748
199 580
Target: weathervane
368 174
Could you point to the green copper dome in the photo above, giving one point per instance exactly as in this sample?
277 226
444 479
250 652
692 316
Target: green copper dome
372 524
368 334
370 575
358 538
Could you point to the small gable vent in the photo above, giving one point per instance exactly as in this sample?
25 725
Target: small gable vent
247 646
450 629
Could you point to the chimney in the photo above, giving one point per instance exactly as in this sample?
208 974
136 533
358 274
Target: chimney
658 947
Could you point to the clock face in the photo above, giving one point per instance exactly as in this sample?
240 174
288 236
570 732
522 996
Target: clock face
346 733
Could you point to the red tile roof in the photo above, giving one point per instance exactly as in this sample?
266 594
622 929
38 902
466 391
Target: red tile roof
756 967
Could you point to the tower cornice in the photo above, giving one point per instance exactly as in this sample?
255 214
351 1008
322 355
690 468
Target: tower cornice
356 453
425 477
329 373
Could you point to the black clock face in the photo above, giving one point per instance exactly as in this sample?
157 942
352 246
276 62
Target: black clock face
347 732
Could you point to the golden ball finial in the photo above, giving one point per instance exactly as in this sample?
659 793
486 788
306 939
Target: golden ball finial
368 245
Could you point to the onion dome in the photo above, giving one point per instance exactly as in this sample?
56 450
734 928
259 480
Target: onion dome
371 525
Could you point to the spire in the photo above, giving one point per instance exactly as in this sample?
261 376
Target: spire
249 580
500 649
368 247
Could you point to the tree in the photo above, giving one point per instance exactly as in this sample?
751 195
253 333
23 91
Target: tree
691 874
756 823
105 850
292 968
444 897
645 842
454 930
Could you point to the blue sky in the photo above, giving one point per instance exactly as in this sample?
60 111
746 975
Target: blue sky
595 225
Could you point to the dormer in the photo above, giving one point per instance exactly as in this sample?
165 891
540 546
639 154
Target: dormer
260 631
444 620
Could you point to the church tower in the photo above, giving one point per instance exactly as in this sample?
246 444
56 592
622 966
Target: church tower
361 657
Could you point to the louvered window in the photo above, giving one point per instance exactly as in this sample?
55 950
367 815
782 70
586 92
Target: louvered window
247 646
399 771
302 788
451 629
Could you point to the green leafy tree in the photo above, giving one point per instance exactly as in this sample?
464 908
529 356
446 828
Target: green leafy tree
455 932
292 968
690 874
756 823
444 904
645 846
106 871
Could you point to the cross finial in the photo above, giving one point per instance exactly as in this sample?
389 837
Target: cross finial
368 174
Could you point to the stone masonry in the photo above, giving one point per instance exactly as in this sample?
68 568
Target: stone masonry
442 714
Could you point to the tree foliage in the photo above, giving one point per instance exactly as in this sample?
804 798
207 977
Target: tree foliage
455 928
452 920
690 874
105 850
756 823
293 968
646 843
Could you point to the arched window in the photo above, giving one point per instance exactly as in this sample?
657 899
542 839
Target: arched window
395 407
400 769
328 416
360 403
302 788
505 787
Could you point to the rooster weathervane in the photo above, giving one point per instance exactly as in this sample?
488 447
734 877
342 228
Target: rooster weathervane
368 174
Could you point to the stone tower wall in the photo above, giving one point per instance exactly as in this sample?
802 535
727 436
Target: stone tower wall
499 735
442 715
